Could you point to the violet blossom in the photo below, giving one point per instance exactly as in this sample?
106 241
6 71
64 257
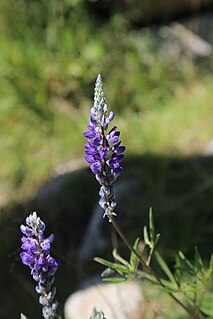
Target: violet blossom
103 149
36 255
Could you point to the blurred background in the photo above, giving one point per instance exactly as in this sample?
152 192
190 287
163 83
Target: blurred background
156 59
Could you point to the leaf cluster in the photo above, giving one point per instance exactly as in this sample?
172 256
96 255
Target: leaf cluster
188 283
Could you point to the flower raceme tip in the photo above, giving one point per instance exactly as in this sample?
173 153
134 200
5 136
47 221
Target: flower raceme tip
36 255
103 149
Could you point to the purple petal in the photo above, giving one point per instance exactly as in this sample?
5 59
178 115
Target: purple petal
41 260
91 151
103 153
113 130
103 120
26 258
23 229
46 243
92 120
97 140
113 136
113 139
89 159
96 167
118 158
93 112
120 149
89 134
110 117
28 244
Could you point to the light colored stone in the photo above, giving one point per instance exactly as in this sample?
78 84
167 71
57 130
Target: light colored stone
208 151
95 239
181 39
117 301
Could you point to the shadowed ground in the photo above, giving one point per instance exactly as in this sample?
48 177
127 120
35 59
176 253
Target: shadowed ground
179 190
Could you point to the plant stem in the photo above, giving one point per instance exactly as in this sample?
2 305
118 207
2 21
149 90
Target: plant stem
125 240
148 267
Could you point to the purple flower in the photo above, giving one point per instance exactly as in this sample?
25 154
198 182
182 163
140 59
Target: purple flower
36 255
103 149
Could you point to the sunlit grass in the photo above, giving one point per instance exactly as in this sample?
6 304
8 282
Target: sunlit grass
32 148
182 127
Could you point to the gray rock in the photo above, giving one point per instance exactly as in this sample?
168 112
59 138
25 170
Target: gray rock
208 151
185 40
118 301
95 239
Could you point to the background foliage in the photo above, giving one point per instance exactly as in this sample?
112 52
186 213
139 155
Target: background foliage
50 55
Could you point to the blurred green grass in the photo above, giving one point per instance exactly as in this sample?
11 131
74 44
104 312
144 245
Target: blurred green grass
158 305
32 147
50 54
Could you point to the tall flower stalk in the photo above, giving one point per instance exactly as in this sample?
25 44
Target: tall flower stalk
104 153
36 255
103 149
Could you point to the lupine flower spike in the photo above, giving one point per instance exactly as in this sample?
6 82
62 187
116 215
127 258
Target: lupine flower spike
103 149
36 255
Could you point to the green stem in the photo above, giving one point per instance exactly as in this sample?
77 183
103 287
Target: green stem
147 267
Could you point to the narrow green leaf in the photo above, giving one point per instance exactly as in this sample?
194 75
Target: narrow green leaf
198 260
151 225
177 269
114 280
133 258
211 264
165 268
104 262
157 238
185 260
119 268
119 258
210 269
23 316
146 237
